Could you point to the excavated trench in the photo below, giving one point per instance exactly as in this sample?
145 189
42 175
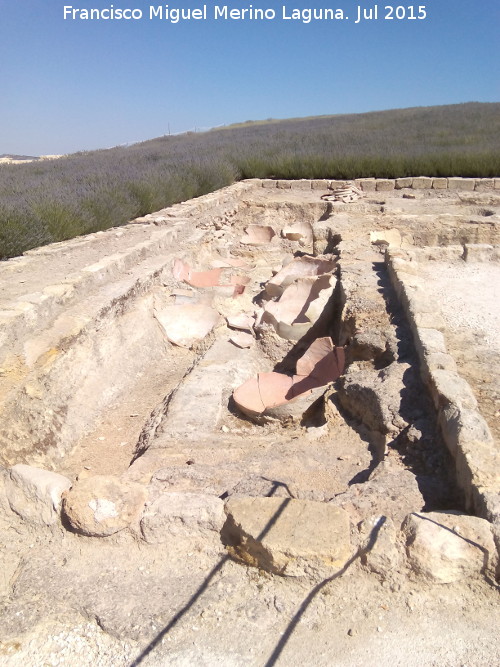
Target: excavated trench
251 385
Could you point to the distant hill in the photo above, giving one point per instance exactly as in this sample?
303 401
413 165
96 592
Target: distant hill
85 192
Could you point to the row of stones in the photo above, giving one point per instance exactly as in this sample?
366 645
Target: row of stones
465 432
386 184
283 536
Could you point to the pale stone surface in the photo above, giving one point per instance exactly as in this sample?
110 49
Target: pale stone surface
443 548
449 387
422 183
384 184
461 184
184 325
103 505
479 252
174 515
390 237
403 183
367 184
288 537
439 183
378 537
35 494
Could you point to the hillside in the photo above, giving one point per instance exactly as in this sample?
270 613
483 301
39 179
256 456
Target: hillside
49 201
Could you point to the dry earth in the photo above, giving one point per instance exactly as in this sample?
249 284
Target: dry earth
334 531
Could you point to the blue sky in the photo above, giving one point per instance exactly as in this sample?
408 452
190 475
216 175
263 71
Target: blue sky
69 85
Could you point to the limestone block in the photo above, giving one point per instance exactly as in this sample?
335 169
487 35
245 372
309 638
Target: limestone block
268 183
429 341
303 184
443 548
174 515
422 183
35 494
440 361
403 183
430 320
390 237
462 425
439 183
284 185
450 388
319 184
497 184
288 537
367 184
484 184
479 252
385 184
103 505
461 184
378 537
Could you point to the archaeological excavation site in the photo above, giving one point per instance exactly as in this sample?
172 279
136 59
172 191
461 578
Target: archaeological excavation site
258 427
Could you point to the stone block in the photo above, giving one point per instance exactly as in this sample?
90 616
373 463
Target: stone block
496 184
422 183
449 388
269 183
461 184
319 184
385 184
429 341
288 537
284 185
103 505
484 184
174 515
378 538
367 184
303 184
439 183
35 494
440 361
479 252
404 183
443 547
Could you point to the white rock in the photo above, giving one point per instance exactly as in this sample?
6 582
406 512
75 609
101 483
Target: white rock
35 494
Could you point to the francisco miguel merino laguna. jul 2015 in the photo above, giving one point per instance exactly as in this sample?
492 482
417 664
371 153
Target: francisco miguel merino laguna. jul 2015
204 12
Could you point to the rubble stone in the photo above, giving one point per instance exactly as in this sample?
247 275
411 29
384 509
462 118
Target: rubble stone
444 548
35 494
103 505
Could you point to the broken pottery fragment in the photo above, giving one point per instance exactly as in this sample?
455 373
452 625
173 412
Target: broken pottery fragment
183 271
258 235
299 267
242 339
280 396
301 232
241 321
296 311
186 324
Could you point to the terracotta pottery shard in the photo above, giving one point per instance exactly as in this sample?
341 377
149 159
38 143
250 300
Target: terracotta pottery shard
258 235
183 271
301 232
185 324
296 311
241 321
242 339
300 267
279 396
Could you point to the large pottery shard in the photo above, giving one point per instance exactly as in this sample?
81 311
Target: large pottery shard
278 396
258 235
299 307
186 324
300 267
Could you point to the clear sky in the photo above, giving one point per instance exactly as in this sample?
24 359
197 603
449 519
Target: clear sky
69 85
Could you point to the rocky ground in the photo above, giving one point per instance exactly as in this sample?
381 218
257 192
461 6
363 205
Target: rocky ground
195 529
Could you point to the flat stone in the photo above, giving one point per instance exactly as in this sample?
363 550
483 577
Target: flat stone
461 184
440 183
378 537
403 183
288 537
422 183
443 548
103 505
35 494
174 515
